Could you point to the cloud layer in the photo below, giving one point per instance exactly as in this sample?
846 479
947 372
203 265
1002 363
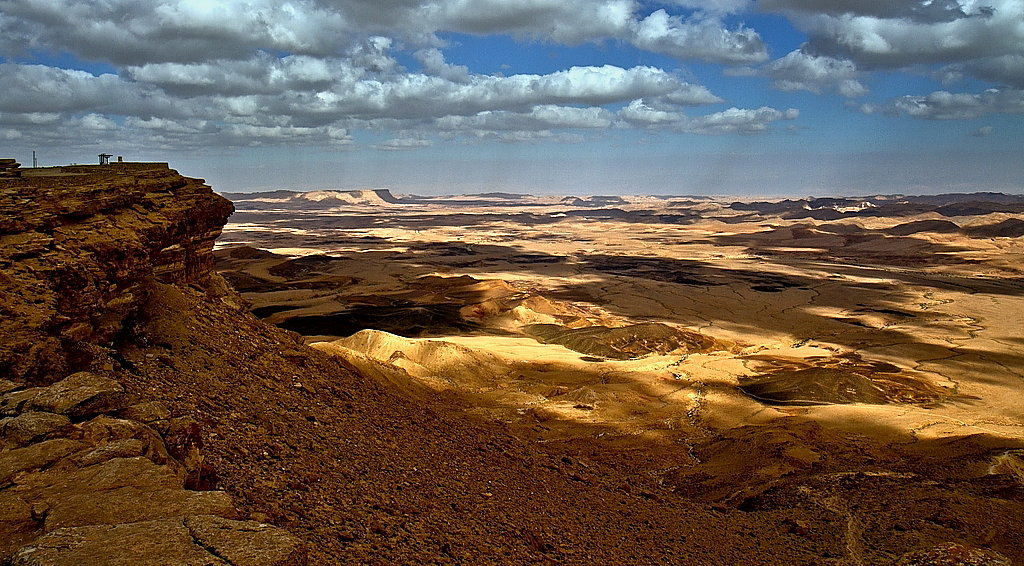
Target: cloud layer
316 72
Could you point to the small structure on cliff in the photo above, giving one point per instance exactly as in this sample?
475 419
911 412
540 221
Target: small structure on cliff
105 158
10 168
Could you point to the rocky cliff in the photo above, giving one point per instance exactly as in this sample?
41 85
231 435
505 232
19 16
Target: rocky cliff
79 249
90 473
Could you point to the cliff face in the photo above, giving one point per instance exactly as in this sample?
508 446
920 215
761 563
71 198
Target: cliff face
79 247
93 472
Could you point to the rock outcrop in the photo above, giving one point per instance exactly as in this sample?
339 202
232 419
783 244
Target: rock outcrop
79 247
85 481
90 474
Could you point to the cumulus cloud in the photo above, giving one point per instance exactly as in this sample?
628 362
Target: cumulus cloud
697 39
434 64
418 96
638 112
126 33
544 117
739 120
942 105
799 70
135 33
893 34
1004 70
718 7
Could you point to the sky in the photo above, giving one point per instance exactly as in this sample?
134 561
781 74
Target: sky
723 97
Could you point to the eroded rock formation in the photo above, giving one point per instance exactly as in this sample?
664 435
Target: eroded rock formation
90 474
79 247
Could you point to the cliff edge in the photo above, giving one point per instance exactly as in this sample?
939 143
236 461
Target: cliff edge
79 249
91 473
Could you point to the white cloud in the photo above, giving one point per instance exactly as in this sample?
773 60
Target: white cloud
697 39
135 33
739 120
434 64
720 7
638 112
417 96
799 70
1004 70
564 21
403 144
893 34
943 105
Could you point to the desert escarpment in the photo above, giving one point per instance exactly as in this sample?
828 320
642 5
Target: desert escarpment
79 247
91 472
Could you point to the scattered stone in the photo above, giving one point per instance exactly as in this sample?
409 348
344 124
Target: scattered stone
19 431
953 554
797 527
81 394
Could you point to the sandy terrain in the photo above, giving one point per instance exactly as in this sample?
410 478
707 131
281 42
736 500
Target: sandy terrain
729 347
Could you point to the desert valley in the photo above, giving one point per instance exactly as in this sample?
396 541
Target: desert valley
363 377
742 353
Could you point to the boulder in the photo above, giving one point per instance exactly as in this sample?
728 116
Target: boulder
105 429
80 394
26 428
246 543
146 412
19 523
132 505
163 542
177 541
54 484
35 456
123 448
13 402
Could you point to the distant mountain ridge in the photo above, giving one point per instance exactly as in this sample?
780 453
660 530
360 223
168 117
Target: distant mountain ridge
362 196
834 208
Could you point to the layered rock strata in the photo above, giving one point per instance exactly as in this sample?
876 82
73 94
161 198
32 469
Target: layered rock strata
91 473
78 247
87 479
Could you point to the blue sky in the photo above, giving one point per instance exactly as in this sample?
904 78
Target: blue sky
726 97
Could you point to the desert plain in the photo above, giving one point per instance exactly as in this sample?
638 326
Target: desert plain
729 349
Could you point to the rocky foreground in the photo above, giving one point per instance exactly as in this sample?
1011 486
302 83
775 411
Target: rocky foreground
148 418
